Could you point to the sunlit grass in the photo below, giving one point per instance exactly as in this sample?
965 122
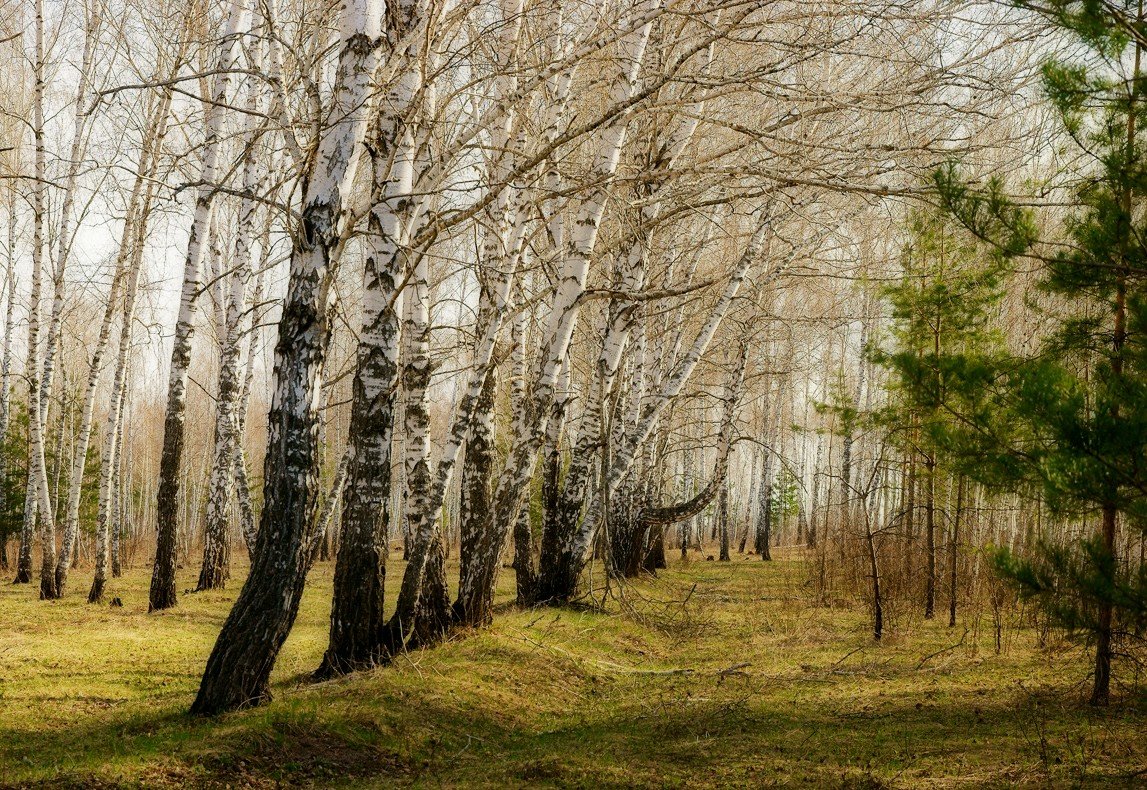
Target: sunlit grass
712 674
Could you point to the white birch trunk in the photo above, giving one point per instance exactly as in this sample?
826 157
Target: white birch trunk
624 457
162 594
238 671
475 595
217 545
38 472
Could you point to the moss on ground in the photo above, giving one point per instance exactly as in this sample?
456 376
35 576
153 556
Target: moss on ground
712 674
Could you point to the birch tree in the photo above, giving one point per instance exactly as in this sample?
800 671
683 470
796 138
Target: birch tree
163 594
239 668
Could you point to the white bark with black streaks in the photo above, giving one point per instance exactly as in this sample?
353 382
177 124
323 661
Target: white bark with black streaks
239 669
162 594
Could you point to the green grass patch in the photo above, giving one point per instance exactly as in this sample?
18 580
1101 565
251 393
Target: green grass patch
710 675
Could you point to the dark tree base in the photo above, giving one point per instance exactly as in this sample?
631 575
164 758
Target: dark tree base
96 593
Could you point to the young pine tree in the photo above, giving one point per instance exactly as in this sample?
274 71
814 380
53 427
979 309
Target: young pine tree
1069 423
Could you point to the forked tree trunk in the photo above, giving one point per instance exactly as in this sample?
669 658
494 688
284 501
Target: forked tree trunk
564 572
476 594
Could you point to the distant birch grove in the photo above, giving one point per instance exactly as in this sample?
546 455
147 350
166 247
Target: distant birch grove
465 289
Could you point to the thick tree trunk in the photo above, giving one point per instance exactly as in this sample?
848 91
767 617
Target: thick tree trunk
476 473
358 632
239 669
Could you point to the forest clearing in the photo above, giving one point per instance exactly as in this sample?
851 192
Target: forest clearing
712 675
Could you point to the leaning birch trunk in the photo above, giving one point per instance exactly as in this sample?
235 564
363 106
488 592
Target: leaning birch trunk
422 610
670 514
162 594
109 455
623 318
481 453
329 510
247 523
132 244
576 548
215 569
63 244
476 594
573 494
87 419
64 240
423 503
238 671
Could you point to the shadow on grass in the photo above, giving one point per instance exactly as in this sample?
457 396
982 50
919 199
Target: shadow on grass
374 730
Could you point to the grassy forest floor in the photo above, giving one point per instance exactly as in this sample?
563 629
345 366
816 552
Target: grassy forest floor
711 674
